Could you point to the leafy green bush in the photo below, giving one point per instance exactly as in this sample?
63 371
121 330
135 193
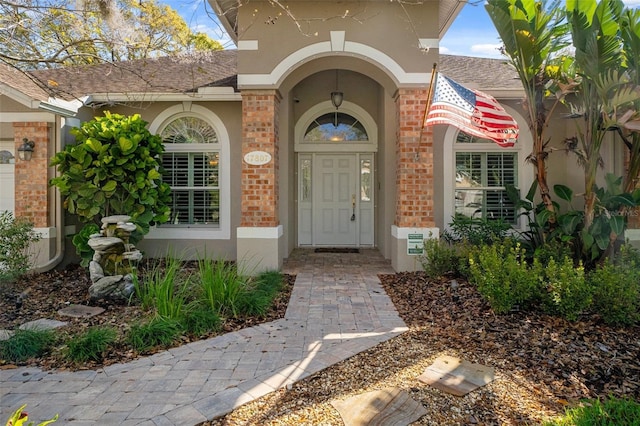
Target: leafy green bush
160 331
611 412
565 291
439 258
16 235
502 275
616 289
114 168
258 295
91 345
25 344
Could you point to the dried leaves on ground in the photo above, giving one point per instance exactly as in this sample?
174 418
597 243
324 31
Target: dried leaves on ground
543 364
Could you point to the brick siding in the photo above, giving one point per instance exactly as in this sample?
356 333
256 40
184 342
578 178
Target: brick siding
31 177
260 115
414 161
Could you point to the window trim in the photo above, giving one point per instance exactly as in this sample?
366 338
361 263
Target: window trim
347 107
522 148
200 232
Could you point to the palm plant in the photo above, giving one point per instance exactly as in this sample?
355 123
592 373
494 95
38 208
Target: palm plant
630 134
533 32
604 101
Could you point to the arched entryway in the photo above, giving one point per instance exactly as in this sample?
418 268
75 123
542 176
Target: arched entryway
335 150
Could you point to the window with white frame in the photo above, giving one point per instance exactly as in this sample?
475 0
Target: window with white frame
191 163
483 171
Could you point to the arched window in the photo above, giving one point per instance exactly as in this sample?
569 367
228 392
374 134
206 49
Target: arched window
482 172
335 127
191 165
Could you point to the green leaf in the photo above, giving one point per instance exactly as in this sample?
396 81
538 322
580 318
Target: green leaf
153 174
88 191
99 197
110 186
542 218
622 200
563 192
93 144
569 223
532 191
126 145
602 241
617 224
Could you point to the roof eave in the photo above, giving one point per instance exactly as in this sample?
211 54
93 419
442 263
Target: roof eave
224 20
203 94
18 96
449 17
505 94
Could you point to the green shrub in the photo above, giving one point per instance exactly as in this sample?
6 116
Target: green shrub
611 412
503 276
439 258
91 345
259 293
160 331
115 167
476 231
16 236
220 286
163 288
616 294
25 344
200 320
565 291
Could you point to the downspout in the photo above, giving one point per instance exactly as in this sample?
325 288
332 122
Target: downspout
58 213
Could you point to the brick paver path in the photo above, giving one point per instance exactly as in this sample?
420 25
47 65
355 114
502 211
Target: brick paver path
337 309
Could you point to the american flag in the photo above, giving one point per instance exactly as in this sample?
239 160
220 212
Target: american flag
471 111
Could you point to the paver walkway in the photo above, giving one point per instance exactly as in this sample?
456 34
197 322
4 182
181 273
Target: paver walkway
337 309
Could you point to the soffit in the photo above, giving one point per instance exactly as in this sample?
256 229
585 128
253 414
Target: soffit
227 11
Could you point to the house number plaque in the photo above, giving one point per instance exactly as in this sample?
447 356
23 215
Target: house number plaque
257 158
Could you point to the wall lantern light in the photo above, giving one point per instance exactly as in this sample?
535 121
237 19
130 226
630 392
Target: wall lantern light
25 151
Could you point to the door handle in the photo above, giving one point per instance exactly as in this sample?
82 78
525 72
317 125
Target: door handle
353 205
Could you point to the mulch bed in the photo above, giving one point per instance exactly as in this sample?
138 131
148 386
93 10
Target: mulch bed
43 295
543 364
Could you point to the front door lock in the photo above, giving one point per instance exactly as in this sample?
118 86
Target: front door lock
353 205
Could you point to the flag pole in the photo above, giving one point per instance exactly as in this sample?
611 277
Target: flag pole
429 98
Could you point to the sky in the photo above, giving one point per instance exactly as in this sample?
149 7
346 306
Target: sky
471 34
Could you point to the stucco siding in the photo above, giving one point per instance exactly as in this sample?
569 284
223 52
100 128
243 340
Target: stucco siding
364 23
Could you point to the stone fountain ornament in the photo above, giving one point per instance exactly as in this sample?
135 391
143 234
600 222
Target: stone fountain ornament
115 260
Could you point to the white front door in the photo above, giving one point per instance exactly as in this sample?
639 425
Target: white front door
335 205
334 201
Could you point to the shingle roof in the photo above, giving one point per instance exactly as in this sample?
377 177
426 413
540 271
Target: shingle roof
21 82
480 73
185 74
181 74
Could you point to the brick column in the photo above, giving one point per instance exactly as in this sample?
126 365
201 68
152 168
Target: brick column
260 113
414 180
31 177
260 239
414 161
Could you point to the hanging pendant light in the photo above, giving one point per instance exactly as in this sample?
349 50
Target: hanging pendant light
336 99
